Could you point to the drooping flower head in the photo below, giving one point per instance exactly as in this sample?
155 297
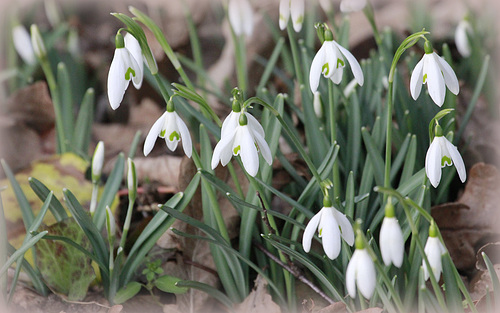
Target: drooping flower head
22 44
462 33
173 129
294 8
442 153
360 271
240 17
391 238
124 68
433 249
329 61
331 225
434 71
242 135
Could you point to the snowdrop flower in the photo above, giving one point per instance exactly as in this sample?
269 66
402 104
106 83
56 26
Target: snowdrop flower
124 67
97 162
462 37
330 62
391 238
241 134
433 250
173 129
22 43
331 225
435 72
132 45
37 42
241 17
442 153
318 108
360 271
295 8
347 6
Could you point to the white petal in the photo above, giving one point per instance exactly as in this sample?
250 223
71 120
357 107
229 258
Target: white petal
222 150
391 242
297 12
385 241
246 13
365 274
116 79
171 145
284 13
230 123
457 160
337 75
433 251
255 125
355 67
350 274
330 233
433 162
132 45
449 75
187 144
310 230
417 79
331 62
316 68
345 227
263 147
462 39
435 79
22 43
249 155
241 17
153 134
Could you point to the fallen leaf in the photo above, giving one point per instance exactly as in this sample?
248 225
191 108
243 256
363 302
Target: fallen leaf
337 307
65 269
473 219
259 300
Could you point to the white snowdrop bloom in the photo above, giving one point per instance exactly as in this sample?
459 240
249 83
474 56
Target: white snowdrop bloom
132 45
37 42
22 44
391 242
361 272
124 68
318 108
329 61
347 6
242 134
97 162
433 249
295 8
326 5
436 73
241 17
462 37
173 129
331 225
442 153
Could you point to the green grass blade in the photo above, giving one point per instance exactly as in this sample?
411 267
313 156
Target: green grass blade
374 156
110 189
64 85
43 192
271 63
493 276
26 210
21 251
211 291
453 296
83 126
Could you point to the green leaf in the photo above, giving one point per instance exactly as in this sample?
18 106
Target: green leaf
168 283
453 296
83 126
21 251
109 193
374 157
65 269
43 192
493 276
127 292
211 291
64 85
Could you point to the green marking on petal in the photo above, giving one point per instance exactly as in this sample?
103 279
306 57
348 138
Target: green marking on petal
320 232
325 69
129 71
425 78
236 150
282 17
445 161
162 133
174 136
300 19
341 62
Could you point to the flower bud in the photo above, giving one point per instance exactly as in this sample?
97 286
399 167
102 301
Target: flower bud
97 162
37 42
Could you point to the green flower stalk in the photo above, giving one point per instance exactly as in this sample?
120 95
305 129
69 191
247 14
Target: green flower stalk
132 194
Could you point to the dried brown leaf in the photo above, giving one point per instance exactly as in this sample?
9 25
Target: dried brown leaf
259 300
474 218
